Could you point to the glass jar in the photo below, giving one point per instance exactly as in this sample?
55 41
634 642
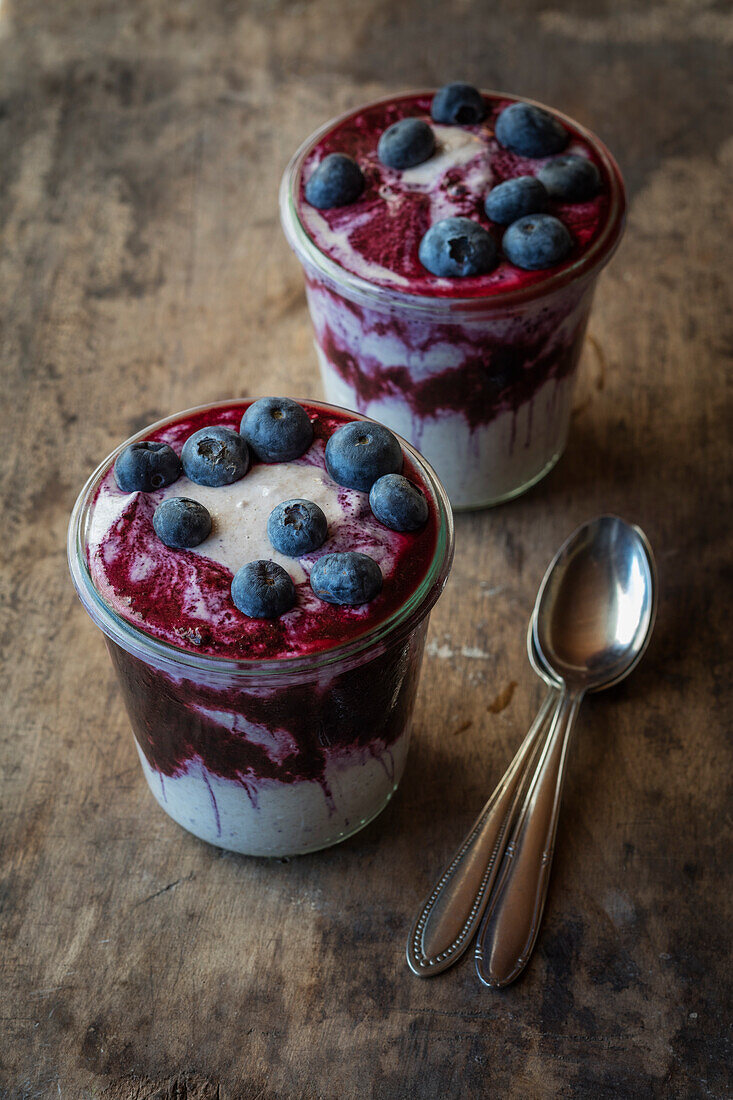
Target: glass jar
482 386
270 757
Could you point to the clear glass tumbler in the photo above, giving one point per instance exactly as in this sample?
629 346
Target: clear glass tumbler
225 744
483 387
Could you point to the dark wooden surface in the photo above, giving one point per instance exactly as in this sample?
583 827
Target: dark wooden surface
142 269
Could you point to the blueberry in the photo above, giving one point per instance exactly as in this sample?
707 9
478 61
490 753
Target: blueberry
180 522
360 452
398 504
144 467
263 590
530 131
537 241
457 247
297 527
407 143
337 181
514 199
458 105
277 429
215 456
349 578
570 179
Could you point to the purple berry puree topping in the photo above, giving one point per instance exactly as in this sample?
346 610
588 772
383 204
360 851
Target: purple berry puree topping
184 596
378 235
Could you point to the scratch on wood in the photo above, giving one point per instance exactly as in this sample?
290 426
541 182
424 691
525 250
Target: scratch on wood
445 652
198 156
463 728
580 409
239 98
503 699
170 886
602 364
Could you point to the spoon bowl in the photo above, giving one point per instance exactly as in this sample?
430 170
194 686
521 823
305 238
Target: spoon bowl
596 605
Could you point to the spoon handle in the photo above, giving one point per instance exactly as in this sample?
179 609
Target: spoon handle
512 921
450 915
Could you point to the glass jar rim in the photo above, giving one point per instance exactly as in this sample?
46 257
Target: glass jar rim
142 644
367 293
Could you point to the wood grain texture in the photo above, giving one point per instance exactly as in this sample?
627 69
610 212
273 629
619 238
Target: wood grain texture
143 270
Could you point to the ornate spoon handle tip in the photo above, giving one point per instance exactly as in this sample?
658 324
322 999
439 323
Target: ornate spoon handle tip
451 913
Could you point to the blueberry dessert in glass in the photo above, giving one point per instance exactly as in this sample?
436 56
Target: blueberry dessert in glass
263 572
451 243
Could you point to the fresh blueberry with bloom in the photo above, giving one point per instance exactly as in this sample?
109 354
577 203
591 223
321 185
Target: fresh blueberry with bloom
514 199
181 523
458 105
144 467
570 178
337 181
530 131
297 527
406 143
398 504
215 456
350 578
263 590
277 429
456 247
360 452
537 241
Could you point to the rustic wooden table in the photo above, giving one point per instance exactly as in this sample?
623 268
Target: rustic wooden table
142 270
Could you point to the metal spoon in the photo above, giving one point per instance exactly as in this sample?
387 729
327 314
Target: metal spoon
449 916
593 618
